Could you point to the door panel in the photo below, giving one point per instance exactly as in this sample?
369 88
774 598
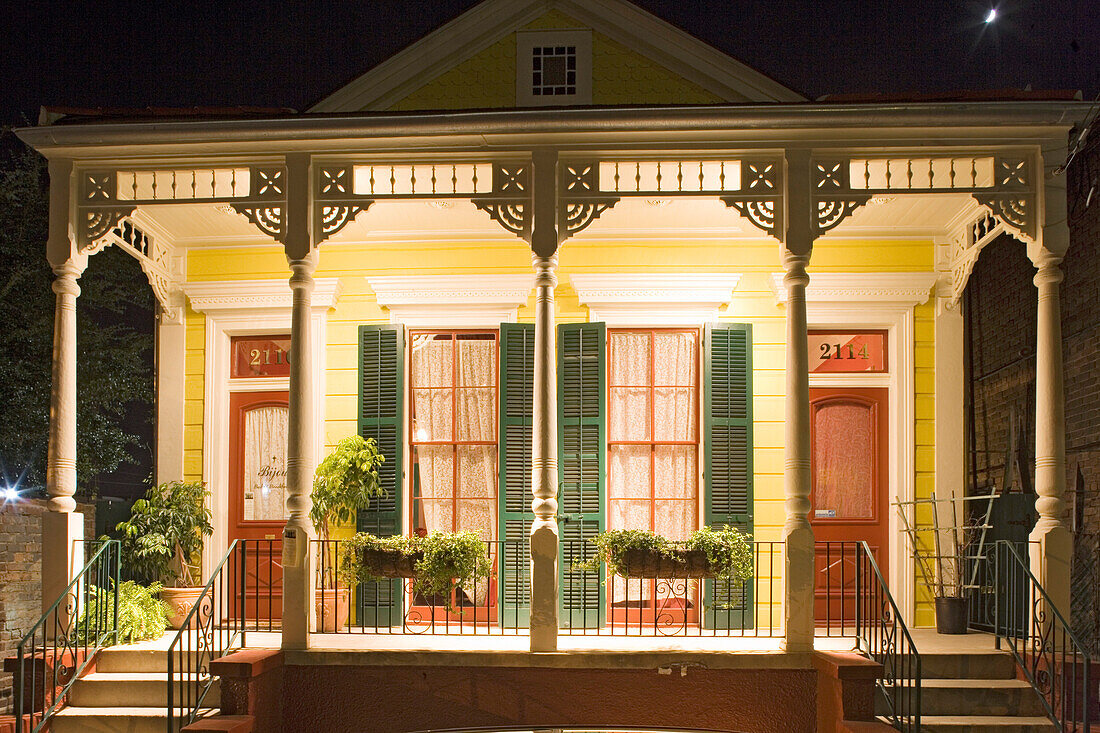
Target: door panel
257 499
850 469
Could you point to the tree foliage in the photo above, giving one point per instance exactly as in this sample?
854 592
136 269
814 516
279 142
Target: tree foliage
114 339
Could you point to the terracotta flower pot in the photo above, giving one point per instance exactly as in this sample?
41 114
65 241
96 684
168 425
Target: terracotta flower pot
180 602
650 564
332 609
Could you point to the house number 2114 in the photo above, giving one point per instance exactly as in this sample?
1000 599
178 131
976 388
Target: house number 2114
834 351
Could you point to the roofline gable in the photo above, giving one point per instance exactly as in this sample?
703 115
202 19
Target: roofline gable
488 22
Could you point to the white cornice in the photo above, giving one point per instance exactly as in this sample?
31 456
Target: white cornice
470 300
257 295
900 288
655 298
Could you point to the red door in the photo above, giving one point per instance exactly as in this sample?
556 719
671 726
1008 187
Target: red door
257 499
849 501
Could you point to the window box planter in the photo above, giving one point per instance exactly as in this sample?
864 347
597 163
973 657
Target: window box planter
381 563
681 563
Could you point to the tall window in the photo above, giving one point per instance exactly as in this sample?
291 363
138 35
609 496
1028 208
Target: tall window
453 382
653 434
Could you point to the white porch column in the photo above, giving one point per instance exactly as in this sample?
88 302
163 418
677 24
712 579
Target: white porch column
1051 558
544 438
62 528
798 559
298 592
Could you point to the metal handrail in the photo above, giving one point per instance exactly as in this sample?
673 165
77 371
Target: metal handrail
214 626
1045 646
81 625
881 633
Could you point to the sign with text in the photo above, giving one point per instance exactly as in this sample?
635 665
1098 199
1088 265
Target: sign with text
260 356
839 352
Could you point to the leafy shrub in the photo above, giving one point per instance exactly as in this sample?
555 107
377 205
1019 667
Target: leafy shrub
345 482
728 551
163 538
142 616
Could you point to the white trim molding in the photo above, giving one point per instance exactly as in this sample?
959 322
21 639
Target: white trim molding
653 299
247 308
901 288
466 300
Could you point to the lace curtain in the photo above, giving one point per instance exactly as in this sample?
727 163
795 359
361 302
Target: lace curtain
265 441
444 411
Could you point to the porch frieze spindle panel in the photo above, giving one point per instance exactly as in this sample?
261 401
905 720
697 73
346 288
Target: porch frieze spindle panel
105 197
502 189
154 257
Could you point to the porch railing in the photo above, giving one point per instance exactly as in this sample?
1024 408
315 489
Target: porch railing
213 627
65 640
1044 646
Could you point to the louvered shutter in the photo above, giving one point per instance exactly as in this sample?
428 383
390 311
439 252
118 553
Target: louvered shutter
381 402
582 466
517 386
727 471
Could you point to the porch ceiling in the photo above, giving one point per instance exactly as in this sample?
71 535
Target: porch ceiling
653 219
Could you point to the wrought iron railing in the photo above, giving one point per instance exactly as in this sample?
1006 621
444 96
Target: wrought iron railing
1045 648
65 640
882 635
213 627
495 604
262 586
595 605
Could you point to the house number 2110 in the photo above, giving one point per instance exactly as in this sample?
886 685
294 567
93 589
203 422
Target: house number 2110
263 356
833 351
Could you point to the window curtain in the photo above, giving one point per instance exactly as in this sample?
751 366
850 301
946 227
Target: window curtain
265 441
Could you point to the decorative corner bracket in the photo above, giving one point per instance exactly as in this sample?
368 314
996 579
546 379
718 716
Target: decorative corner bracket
760 194
154 256
267 194
965 248
832 197
510 203
580 201
100 209
1012 199
336 203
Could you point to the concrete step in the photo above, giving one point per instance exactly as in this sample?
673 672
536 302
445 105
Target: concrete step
985 724
972 697
131 659
983 665
111 720
138 689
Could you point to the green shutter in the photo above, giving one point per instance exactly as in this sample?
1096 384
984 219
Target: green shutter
381 402
727 468
582 466
517 386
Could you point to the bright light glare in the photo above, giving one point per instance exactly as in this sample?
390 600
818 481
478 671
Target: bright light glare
992 15
10 494
421 434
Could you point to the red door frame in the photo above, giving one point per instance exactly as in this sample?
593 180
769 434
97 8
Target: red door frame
263 571
834 568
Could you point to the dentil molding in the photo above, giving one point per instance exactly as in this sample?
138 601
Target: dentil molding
900 288
459 300
673 298
257 295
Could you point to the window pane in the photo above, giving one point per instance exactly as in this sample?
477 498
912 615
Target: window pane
264 479
432 410
674 413
675 474
630 353
432 360
477 411
433 485
478 516
476 361
675 518
844 460
676 358
629 472
629 414
477 471
631 514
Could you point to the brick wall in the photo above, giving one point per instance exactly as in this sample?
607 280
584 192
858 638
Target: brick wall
20 576
1001 313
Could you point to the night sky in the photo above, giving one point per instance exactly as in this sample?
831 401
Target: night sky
154 53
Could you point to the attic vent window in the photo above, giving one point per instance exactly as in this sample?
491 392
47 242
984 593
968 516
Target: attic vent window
553 70
553 67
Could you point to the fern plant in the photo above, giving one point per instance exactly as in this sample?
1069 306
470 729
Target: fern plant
142 616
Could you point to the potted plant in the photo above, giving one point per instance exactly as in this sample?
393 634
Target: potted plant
708 553
344 483
162 542
439 563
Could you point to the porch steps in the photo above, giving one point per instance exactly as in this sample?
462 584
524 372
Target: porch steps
977 692
126 694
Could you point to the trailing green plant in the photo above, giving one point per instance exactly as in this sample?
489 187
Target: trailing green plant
445 561
728 552
345 482
142 616
163 538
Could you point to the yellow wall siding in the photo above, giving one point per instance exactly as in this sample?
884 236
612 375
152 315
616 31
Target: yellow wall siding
619 76
753 302
924 381
193 394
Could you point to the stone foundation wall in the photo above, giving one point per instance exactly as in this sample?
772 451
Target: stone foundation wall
21 576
